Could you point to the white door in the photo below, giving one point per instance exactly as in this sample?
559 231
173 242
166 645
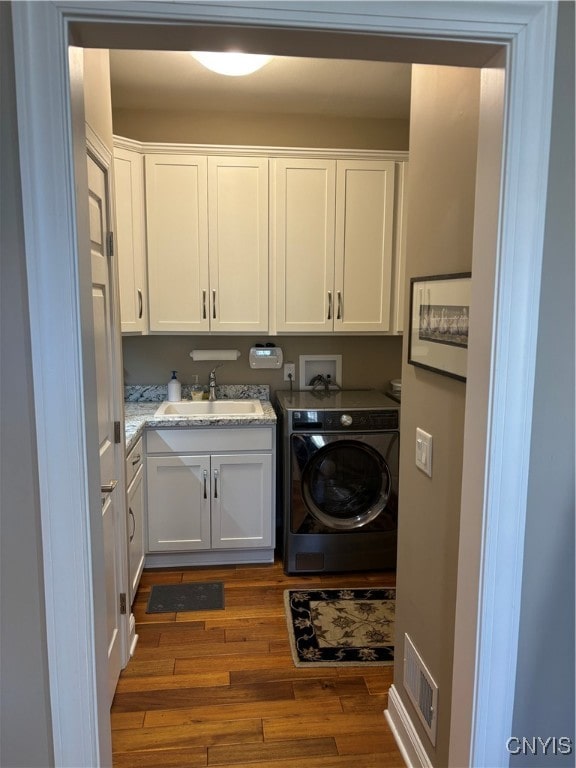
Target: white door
177 241
112 507
238 243
178 503
364 245
130 239
304 194
242 500
135 497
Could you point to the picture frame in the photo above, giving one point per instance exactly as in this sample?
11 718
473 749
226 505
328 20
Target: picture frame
439 315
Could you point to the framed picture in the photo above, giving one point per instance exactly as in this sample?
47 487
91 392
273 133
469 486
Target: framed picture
439 312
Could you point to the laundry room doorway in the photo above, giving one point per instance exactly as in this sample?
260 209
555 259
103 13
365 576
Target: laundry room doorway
47 143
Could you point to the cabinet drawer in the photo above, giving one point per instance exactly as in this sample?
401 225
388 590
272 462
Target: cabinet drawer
134 461
209 440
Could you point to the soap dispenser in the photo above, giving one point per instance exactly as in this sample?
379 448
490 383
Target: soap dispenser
174 389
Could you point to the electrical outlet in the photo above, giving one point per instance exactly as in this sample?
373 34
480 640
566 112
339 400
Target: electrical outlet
289 371
424 451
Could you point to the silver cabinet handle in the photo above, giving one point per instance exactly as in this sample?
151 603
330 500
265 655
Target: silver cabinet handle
136 460
203 305
133 524
339 314
214 305
329 305
106 489
215 483
140 304
205 475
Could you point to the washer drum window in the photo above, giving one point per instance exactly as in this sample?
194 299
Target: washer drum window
346 485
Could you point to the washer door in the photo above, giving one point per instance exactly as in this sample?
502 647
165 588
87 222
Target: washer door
346 484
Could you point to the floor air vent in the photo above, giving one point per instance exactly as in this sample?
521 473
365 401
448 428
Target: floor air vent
421 688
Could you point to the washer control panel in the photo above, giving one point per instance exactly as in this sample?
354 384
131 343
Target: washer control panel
342 421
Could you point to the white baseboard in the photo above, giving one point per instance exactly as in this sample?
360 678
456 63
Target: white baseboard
407 739
133 637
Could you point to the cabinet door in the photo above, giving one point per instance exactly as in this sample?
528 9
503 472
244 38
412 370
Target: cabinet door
130 239
400 227
242 504
303 236
177 238
136 530
364 245
178 503
238 243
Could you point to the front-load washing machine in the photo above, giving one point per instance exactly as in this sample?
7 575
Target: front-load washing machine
339 455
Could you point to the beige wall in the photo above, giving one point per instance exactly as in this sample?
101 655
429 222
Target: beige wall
261 129
97 103
369 361
25 712
443 143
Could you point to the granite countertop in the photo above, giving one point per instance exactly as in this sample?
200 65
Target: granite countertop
139 414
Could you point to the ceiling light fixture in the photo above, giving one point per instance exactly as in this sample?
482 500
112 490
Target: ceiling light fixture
231 63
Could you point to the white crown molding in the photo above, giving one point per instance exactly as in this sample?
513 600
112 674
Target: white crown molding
97 147
156 147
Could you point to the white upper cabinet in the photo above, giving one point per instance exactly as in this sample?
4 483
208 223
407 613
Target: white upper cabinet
400 228
333 224
260 241
363 248
303 210
238 243
131 239
177 235
207 243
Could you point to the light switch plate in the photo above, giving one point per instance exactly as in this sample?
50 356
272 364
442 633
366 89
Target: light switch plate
424 451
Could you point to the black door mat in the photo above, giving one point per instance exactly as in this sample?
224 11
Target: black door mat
197 596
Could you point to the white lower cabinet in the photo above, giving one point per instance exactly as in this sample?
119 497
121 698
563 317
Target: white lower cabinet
241 500
214 500
178 503
135 498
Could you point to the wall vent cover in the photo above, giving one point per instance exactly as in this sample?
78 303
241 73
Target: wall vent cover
421 688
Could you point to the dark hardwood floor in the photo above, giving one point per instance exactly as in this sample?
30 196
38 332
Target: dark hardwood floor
219 688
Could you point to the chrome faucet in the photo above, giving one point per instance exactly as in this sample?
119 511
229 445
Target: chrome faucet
212 382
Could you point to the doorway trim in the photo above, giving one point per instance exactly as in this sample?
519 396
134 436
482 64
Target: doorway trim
64 384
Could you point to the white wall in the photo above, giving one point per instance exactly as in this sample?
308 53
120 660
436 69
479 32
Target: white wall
25 718
544 701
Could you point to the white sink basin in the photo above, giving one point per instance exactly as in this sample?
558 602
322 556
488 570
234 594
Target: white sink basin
211 408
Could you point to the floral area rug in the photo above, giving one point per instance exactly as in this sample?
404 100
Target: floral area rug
334 627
